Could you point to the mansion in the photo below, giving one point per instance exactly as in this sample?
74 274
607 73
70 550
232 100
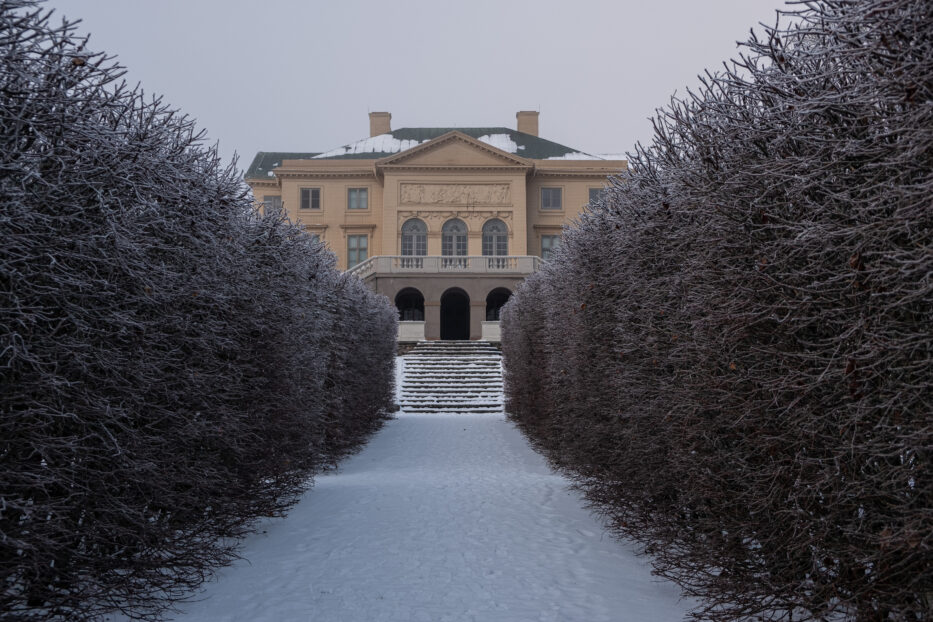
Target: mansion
444 221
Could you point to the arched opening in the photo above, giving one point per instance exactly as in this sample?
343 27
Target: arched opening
455 314
494 303
410 305
414 238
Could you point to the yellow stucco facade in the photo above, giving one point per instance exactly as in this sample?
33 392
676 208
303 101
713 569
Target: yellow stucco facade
454 186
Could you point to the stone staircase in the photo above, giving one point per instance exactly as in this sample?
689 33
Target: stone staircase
452 377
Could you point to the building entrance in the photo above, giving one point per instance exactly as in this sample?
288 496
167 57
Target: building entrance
455 314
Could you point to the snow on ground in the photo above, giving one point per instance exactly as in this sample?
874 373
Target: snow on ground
440 518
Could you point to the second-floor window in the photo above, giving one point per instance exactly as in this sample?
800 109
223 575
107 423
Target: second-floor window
596 194
272 201
358 198
310 198
551 198
495 238
454 238
414 237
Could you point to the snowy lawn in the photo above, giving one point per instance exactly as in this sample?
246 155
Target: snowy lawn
439 518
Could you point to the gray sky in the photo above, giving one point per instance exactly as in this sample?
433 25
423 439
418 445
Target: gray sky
289 75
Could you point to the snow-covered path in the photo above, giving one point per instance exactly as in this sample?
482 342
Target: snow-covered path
441 517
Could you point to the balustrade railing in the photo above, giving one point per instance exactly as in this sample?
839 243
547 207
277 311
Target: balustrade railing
433 264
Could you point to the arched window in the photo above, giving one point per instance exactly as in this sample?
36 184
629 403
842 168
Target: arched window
410 305
414 237
494 303
454 238
495 238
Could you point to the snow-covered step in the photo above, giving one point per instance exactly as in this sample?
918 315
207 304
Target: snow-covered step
450 399
484 391
452 377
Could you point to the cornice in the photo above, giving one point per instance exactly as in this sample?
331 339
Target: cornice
505 168
318 173
579 168
258 181
359 226
550 172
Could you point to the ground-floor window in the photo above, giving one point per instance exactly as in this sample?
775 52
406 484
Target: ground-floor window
549 244
357 247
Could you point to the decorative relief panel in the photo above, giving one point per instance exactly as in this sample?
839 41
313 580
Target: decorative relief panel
455 194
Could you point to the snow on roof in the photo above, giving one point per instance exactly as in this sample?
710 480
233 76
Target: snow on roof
386 143
500 141
383 143
507 140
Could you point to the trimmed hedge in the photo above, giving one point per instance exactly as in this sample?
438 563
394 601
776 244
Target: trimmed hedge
174 366
731 353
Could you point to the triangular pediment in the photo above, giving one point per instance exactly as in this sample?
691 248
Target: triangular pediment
453 149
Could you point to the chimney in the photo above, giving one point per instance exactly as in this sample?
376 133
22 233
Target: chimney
527 122
379 123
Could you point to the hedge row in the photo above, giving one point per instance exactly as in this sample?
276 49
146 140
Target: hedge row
173 365
732 352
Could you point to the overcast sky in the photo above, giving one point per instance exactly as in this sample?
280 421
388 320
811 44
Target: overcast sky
290 75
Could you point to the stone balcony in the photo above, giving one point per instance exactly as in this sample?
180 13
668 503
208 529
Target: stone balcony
447 297
453 265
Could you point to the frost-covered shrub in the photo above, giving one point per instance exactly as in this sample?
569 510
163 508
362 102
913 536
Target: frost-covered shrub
734 349
361 369
173 365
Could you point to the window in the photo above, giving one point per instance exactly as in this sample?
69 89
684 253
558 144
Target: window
414 237
596 194
454 238
271 201
310 198
551 198
495 238
358 198
357 245
549 244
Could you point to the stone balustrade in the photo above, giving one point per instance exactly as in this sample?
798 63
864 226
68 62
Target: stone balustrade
448 264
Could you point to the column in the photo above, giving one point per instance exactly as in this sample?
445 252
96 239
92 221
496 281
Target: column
432 319
477 315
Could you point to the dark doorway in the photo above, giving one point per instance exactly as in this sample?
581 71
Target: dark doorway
494 302
410 305
455 314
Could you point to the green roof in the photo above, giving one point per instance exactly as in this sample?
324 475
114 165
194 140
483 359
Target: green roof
265 161
513 141
376 147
